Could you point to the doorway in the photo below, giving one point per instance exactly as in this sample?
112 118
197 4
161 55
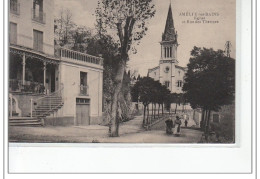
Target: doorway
82 112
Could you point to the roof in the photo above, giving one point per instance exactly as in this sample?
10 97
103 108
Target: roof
169 31
180 67
155 68
18 49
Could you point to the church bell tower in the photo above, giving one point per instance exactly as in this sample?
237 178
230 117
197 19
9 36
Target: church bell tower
169 45
169 41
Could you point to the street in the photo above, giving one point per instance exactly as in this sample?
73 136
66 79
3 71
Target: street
130 132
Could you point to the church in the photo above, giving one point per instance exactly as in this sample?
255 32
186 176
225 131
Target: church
169 73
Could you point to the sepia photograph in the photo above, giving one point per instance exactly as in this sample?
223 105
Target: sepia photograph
122 71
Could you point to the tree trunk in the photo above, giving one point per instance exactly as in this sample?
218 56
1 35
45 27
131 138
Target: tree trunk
152 109
194 114
202 119
176 108
158 110
147 115
208 121
205 121
162 108
144 115
114 124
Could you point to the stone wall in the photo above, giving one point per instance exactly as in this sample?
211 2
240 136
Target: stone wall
24 102
59 121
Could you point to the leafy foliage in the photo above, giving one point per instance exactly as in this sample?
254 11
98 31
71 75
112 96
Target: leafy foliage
127 18
147 90
209 83
210 79
63 27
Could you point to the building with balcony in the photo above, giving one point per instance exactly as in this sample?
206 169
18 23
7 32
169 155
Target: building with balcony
47 87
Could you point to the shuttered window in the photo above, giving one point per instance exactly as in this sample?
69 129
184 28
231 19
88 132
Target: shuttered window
13 33
38 40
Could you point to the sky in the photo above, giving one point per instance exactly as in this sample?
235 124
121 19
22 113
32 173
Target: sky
209 35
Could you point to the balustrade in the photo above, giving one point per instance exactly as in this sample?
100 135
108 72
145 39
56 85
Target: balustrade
66 53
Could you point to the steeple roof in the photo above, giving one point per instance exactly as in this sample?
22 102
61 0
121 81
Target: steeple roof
169 31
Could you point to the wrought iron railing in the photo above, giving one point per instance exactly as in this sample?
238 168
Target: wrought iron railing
38 16
83 90
26 86
48 103
15 7
78 56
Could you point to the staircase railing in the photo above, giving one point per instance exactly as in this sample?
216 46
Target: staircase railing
152 121
49 100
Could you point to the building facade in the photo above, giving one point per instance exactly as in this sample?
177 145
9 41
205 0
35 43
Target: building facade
169 73
49 85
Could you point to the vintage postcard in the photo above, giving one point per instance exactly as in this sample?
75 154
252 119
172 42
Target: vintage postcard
122 71
128 86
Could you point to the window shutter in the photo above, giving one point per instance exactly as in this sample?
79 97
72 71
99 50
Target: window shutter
13 33
35 40
40 41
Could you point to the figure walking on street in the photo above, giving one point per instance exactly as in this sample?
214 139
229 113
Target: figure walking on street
177 124
169 126
186 123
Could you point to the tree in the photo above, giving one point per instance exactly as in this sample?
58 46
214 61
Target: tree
177 99
70 35
210 81
143 91
80 38
63 26
105 45
149 91
127 20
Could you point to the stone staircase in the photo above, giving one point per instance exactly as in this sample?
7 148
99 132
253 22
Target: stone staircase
47 106
25 121
41 108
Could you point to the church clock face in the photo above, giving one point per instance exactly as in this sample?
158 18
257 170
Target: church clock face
167 69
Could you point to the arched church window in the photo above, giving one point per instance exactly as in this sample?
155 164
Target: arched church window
167 84
171 52
179 83
165 52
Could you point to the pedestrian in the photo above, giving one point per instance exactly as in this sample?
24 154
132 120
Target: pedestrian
169 126
177 124
186 123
